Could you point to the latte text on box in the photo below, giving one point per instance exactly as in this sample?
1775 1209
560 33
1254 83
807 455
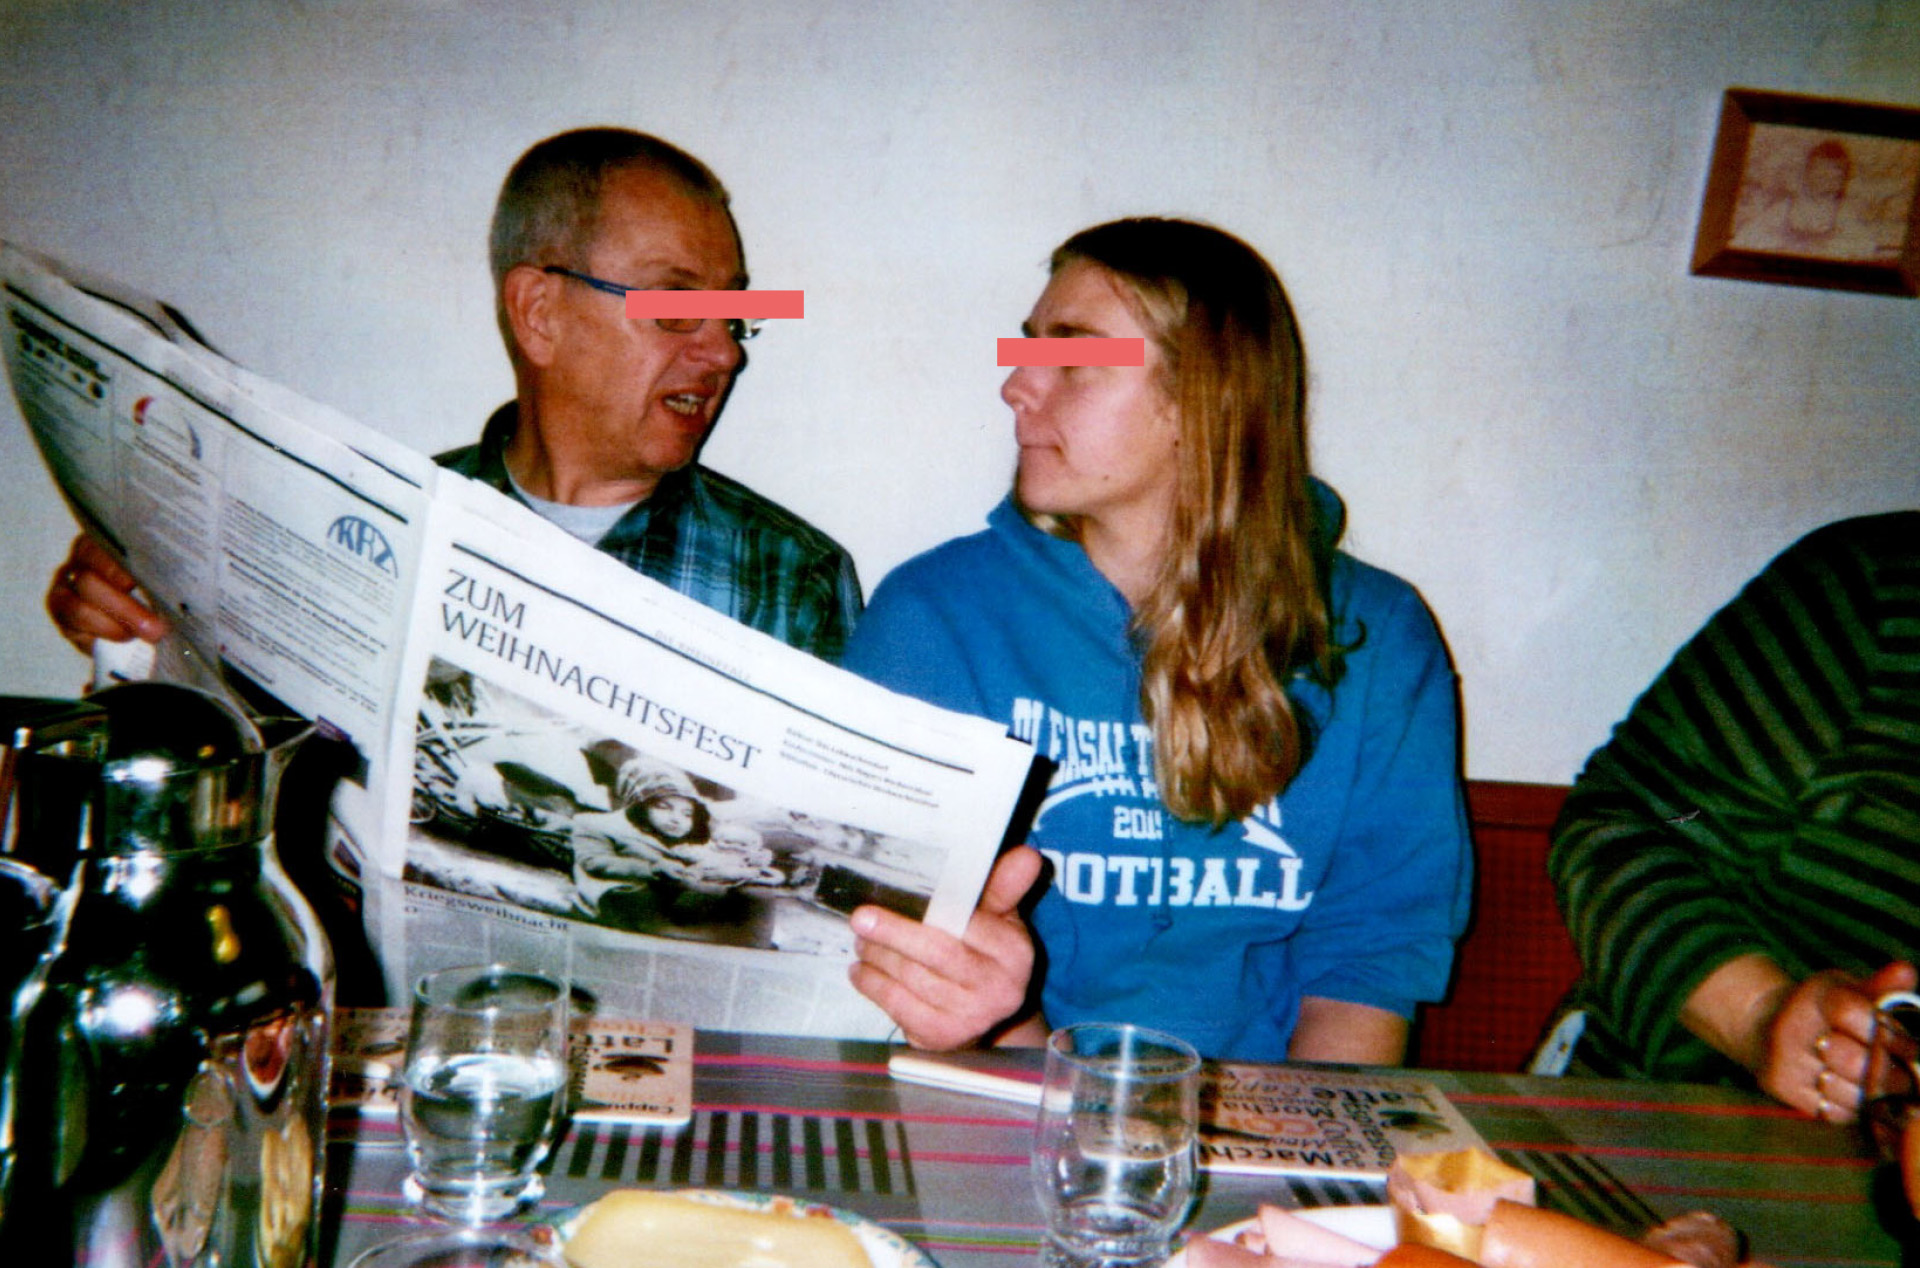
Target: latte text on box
722 304
1075 351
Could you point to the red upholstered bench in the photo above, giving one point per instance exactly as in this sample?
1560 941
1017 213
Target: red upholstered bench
1516 960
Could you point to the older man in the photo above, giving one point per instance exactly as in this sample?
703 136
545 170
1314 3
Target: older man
609 413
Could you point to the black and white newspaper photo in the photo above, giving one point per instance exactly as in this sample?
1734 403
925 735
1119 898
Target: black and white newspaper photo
513 802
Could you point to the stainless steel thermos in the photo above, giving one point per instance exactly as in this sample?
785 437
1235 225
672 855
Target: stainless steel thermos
164 1095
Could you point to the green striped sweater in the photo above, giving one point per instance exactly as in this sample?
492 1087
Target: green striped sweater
1762 796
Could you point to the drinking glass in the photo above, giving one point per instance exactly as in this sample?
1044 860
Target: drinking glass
483 1088
1892 1084
1113 1156
1890 1110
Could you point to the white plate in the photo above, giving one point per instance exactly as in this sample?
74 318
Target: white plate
884 1247
1369 1225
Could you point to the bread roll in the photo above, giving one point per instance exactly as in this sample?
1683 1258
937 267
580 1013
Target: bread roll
1519 1236
1442 1199
636 1228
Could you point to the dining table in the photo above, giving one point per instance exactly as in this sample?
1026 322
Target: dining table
822 1120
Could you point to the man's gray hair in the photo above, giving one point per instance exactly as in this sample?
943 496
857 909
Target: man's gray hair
549 205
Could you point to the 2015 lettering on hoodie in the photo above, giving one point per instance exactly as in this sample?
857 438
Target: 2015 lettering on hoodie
1109 758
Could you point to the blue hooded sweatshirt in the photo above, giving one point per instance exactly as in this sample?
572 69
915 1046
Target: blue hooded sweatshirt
1351 885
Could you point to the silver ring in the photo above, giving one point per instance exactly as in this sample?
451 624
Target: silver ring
1820 1082
1821 1045
1820 1110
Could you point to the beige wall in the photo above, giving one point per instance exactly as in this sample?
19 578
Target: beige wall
1484 210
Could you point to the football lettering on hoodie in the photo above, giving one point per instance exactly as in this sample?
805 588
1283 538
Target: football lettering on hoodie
1114 759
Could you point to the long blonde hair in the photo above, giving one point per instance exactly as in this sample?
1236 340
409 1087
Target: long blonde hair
1238 607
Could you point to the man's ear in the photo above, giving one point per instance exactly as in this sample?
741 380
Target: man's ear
530 298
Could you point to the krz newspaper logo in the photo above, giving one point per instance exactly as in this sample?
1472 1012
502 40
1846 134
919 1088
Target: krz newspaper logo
364 540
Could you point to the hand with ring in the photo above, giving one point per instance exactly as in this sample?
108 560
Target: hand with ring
92 597
1817 1043
1823 1106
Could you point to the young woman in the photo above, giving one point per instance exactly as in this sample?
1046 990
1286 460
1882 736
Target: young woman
1255 823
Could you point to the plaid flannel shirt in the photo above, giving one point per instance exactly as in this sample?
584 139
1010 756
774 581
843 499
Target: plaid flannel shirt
717 542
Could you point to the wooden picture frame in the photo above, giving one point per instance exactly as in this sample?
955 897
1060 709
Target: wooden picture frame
1811 191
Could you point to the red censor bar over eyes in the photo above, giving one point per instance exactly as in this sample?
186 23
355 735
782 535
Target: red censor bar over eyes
723 304
1076 351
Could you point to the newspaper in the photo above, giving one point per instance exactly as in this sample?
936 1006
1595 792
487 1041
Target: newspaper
555 759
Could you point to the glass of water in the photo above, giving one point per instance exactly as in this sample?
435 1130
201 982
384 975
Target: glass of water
1113 1155
483 1089
1892 1081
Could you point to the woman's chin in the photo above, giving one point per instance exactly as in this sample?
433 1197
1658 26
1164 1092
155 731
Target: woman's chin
1038 495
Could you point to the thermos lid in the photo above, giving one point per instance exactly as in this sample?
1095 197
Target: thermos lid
183 726
137 767
183 770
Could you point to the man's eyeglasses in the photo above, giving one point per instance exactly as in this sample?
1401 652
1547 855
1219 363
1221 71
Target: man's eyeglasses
740 329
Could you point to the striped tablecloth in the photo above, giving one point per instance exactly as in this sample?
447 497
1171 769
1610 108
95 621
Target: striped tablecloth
823 1121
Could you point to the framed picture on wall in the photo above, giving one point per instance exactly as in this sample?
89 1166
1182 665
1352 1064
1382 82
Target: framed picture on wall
1811 191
